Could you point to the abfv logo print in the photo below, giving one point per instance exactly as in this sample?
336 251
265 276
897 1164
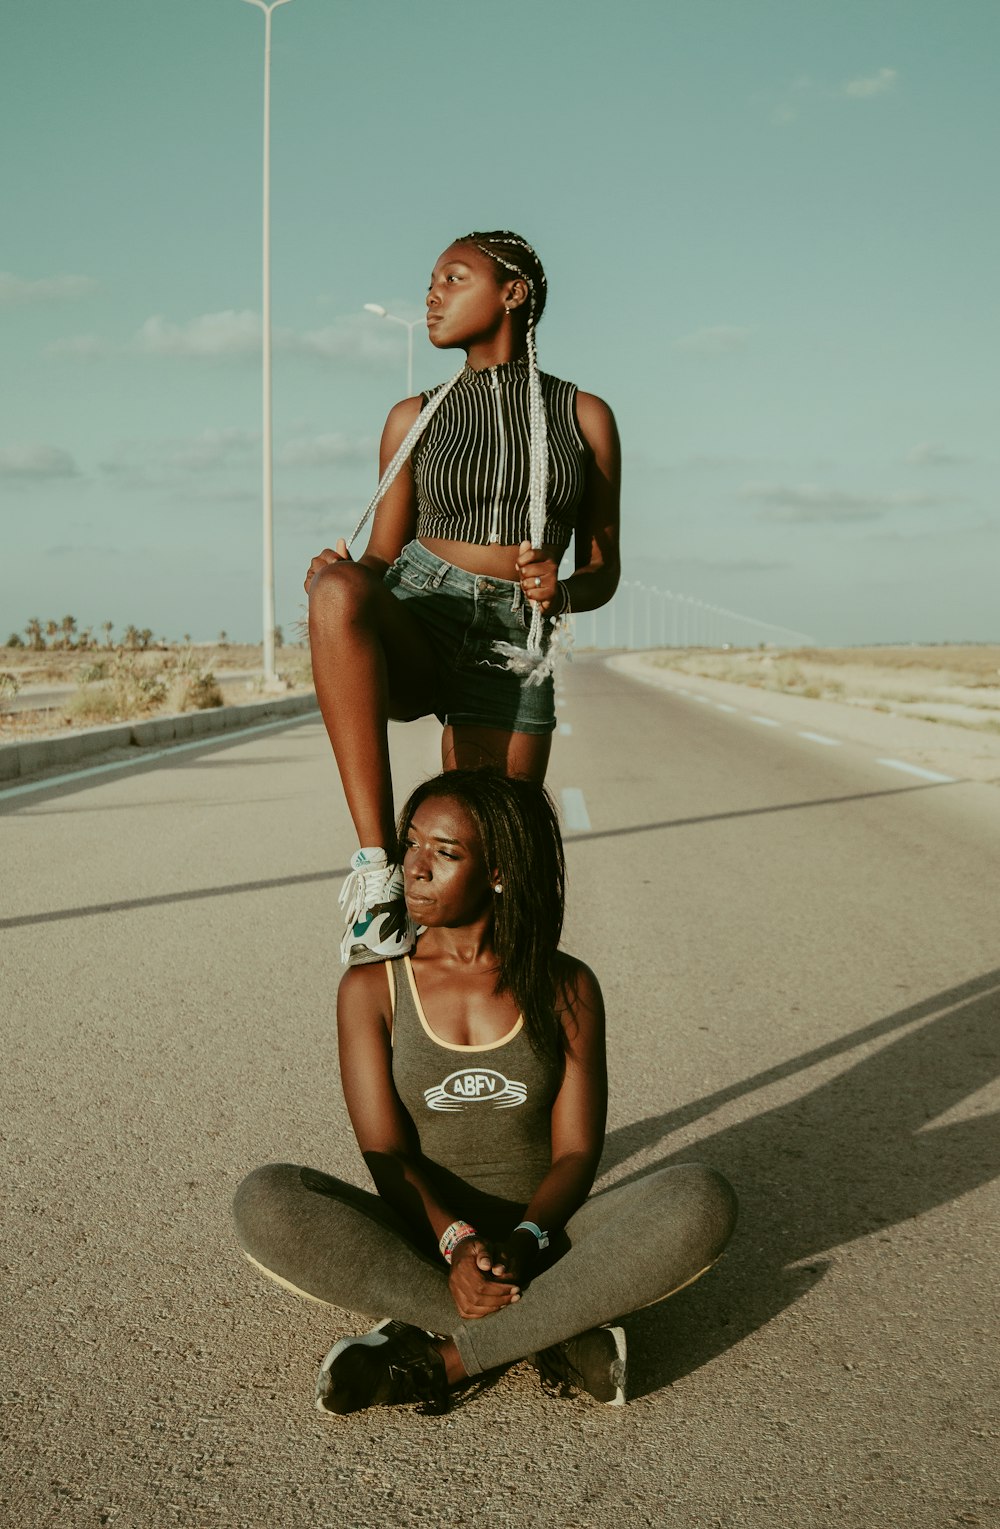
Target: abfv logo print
476 1086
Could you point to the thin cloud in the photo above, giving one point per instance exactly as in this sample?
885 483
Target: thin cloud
731 565
811 504
235 335
82 347
929 454
90 549
149 463
804 91
211 336
868 85
718 340
332 450
158 464
39 462
17 291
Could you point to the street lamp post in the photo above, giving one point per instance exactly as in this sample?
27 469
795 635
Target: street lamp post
270 676
409 325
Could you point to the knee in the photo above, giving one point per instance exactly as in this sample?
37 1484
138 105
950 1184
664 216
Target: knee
697 1202
716 1201
339 589
260 1202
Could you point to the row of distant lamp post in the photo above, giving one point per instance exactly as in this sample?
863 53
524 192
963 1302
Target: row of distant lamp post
645 617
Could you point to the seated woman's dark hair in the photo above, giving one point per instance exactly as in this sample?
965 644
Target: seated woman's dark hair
519 833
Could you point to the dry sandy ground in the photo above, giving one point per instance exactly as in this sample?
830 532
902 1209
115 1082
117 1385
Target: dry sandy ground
949 683
955 684
858 713
46 678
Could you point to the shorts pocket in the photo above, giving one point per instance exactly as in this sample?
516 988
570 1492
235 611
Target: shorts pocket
413 576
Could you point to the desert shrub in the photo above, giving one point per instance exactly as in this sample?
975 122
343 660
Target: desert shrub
190 686
194 692
9 685
124 690
91 673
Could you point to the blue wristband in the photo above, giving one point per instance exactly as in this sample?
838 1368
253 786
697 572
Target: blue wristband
542 1238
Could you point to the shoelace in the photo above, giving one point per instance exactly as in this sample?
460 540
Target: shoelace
417 1378
363 888
555 1369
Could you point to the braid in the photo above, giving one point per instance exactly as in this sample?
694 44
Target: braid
514 254
526 264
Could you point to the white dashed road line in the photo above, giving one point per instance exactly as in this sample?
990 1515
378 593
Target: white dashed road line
566 728
831 743
574 808
898 764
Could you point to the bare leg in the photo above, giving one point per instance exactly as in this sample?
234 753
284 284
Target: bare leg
523 755
370 662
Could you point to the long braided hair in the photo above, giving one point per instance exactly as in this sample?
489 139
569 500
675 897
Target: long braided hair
511 255
513 817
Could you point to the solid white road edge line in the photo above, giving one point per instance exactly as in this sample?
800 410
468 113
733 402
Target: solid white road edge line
146 756
574 808
898 764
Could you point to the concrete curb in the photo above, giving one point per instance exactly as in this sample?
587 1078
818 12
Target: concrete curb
18 761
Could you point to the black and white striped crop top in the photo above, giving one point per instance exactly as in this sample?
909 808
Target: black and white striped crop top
471 464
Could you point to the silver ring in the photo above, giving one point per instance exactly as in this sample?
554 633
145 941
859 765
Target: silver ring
538 583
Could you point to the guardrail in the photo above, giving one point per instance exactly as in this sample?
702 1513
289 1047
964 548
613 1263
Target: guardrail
642 616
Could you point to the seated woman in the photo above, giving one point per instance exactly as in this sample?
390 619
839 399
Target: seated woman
474 1074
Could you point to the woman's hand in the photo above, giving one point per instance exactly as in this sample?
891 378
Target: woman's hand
539 577
475 1289
515 1257
341 555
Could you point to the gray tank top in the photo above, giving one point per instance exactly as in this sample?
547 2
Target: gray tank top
482 1113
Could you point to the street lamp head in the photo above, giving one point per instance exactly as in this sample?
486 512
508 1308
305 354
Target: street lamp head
376 308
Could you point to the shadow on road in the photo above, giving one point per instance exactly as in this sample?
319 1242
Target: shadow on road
753 812
161 899
23 920
856 1154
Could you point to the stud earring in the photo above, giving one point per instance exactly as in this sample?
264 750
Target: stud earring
498 889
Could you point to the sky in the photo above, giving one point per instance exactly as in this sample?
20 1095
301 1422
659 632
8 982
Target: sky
770 229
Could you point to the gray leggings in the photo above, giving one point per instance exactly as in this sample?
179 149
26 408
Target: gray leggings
628 1247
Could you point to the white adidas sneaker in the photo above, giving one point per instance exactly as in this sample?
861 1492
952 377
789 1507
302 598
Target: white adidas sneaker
378 925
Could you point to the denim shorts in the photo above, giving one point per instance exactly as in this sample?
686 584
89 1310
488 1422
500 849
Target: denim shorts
462 615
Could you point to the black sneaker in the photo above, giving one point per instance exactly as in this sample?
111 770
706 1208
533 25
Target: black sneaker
391 1365
593 1362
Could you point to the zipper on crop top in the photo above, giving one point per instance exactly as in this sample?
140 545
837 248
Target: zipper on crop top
501 460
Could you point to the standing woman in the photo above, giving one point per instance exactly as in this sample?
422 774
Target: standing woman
475 1078
485 482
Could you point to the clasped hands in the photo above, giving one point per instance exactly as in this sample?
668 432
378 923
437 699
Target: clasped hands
486 1276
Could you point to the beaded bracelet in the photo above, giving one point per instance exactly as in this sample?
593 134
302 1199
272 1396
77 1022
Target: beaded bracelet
459 1231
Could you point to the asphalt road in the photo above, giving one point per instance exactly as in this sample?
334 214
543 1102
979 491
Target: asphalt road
798 945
